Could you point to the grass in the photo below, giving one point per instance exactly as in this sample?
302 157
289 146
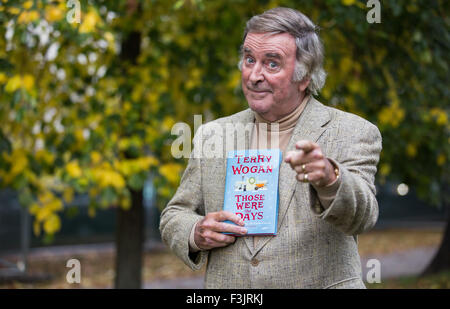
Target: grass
381 242
97 268
436 281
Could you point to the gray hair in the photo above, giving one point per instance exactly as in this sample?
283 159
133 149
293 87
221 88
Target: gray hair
310 52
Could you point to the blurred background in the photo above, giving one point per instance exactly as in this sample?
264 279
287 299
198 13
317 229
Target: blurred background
90 90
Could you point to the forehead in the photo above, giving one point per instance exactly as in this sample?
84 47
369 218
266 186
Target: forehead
281 43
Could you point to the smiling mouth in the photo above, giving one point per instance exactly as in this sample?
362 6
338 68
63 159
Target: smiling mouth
258 91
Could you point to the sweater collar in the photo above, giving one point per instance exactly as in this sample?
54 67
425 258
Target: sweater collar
289 121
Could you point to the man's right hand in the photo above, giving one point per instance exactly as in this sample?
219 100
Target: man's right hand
208 231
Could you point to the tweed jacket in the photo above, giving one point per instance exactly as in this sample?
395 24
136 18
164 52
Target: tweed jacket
314 247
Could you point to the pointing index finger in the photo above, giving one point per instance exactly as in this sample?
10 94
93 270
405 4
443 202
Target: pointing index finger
305 145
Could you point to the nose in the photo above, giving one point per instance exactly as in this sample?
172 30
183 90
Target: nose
256 75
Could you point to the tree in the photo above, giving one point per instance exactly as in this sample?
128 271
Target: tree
88 107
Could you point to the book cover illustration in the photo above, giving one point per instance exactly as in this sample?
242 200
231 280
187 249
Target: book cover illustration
251 188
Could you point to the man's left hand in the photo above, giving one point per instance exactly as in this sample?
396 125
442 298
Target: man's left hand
310 164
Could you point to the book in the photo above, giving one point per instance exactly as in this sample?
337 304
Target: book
251 189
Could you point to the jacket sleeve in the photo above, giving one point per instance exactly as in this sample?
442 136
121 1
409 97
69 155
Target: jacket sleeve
354 209
183 211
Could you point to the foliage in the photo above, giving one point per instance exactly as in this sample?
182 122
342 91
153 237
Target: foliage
77 116
437 281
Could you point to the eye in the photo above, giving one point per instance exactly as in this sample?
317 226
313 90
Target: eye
249 60
273 65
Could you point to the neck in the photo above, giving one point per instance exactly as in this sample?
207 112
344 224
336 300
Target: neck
275 118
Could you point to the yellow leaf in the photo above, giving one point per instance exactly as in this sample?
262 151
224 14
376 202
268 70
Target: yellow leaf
125 203
3 78
43 213
19 164
391 115
441 159
385 169
45 197
183 40
44 155
27 17
55 205
411 150
73 169
53 13
93 192
28 82
14 10
36 228
52 224
348 2
108 177
171 172
34 209
109 37
167 123
79 135
13 83
95 157
27 4
89 22
91 212
68 194
235 80
440 115
345 65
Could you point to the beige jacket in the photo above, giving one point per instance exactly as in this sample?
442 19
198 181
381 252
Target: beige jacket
314 247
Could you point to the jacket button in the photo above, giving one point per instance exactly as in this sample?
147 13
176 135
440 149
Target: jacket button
254 262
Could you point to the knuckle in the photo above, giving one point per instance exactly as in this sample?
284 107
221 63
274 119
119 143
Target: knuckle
229 239
202 226
207 225
205 234
222 238
316 153
321 165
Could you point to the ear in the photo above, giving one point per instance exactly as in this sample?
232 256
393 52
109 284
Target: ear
304 84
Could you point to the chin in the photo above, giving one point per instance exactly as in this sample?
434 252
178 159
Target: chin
259 107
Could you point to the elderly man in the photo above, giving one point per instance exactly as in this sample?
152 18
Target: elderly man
326 181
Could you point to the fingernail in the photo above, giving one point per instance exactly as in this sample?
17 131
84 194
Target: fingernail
243 231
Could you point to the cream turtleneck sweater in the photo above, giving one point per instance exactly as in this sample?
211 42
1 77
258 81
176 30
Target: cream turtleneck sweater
264 128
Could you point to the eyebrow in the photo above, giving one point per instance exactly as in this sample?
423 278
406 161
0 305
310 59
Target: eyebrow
247 50
268 55
273 55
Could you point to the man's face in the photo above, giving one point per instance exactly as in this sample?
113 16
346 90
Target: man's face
267 68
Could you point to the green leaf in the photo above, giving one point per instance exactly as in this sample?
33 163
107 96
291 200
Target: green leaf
136 181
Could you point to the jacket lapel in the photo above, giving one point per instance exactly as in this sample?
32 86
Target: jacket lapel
310 126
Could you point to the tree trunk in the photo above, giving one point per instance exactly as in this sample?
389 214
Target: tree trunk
130 243
441 260
130 223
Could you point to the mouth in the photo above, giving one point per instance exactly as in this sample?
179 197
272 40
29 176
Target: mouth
258 90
